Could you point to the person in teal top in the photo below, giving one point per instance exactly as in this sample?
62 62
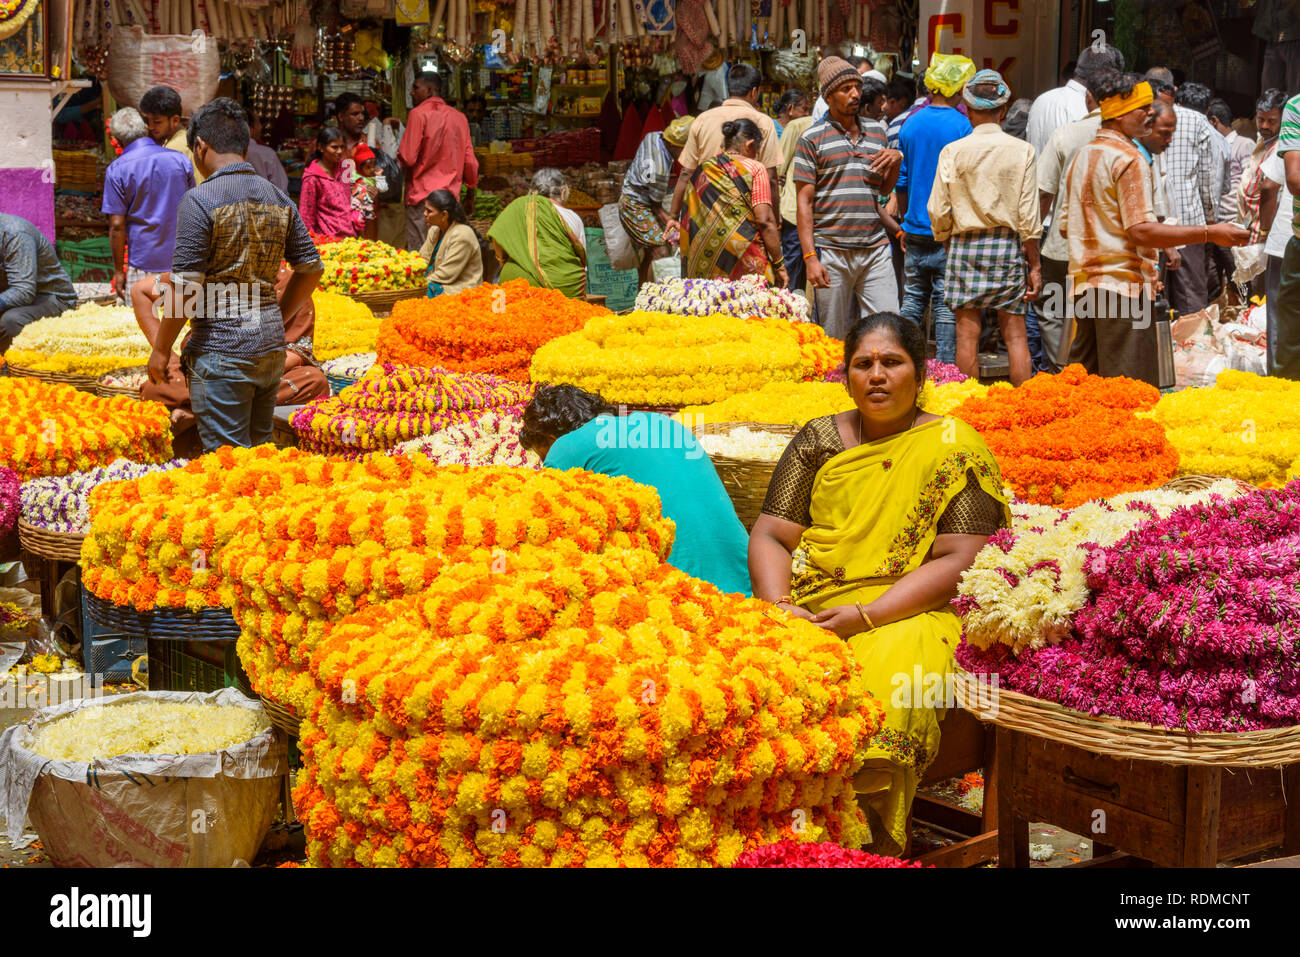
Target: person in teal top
573 429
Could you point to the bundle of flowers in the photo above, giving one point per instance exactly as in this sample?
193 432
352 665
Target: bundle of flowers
486 329
1191 623
1244 426
154 541
746 443
52 429
654 359
795 403
343 325
385 528
392 404
10 491
13 618
367 265
352 366
491 439
89 340
148 727
790 853
1027 584
126 380
750 297
1064 439
62 503
940 373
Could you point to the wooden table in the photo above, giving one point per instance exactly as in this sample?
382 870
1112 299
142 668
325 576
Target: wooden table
1171 815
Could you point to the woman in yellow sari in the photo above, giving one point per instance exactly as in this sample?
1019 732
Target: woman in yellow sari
870 519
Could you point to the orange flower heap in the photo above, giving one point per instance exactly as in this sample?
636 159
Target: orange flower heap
1068 438
52 429
492 329
392 404
155 541
320 553
603 720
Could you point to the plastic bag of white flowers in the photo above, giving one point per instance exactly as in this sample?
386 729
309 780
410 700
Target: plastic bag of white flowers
147 779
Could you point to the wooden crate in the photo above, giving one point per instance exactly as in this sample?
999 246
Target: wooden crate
1172 815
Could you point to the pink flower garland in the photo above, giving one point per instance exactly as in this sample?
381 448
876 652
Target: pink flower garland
1194 623
935 371
825 854
9 486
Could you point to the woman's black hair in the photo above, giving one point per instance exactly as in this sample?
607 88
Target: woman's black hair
443 201
789 100
738 132
557 410
326 136
907 333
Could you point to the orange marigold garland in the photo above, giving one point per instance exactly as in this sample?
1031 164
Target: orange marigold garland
489 328
54 429
1068 438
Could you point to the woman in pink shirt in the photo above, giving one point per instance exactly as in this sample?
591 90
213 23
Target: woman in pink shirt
325 202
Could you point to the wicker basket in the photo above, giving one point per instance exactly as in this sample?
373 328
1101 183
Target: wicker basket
282 717
1127 740
338 383
177 624
1198 483
60 546
745 480
110 390
380 300
86 383
481 226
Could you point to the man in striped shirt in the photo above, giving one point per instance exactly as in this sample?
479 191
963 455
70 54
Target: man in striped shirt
841 167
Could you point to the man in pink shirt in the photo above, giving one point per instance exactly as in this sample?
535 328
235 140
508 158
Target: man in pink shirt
436 153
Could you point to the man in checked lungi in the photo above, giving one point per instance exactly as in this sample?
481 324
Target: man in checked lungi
984 208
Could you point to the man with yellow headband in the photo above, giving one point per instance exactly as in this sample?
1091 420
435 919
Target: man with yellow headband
921 140
1110 228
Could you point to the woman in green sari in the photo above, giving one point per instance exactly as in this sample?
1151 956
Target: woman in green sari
537 239
870 519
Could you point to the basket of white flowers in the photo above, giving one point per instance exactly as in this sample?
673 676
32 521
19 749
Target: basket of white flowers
745 455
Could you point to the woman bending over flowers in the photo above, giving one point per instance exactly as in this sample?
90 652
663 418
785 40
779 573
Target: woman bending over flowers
569 428
870 519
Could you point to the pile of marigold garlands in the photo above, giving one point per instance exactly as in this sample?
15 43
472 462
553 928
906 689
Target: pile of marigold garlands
392 404
1064 439
655 359
53 429
495 666
367 265
492 329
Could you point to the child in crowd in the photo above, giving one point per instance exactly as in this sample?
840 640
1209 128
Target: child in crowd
367 183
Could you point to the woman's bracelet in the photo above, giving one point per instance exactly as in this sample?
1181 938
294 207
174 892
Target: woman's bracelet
865 617
784 600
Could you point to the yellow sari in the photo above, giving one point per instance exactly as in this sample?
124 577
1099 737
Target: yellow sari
875 510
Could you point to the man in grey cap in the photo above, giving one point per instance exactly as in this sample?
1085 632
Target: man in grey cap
984 205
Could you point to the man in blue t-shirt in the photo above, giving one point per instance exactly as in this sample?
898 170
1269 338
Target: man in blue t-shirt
921 139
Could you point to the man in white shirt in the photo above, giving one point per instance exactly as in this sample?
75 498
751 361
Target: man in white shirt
1066 104
1275 210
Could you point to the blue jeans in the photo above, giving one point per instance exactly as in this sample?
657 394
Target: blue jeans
233 397
1035 336
923 268
793 254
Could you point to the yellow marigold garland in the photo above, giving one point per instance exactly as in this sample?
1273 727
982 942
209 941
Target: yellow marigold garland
53 429
655 359
343 326
796 403
1245 426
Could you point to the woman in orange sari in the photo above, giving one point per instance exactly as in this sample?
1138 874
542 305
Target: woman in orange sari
728 227
870 519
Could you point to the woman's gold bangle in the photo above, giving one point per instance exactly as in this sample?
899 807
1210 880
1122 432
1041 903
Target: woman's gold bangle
865 617
784 600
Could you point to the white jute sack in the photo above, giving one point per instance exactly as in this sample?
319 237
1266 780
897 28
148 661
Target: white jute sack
622 254
190 65
144 810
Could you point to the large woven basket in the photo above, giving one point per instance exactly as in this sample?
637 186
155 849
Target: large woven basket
1198 483
86 383
745 480
180 624
101 388
60 546
282 717
1116 738
380 300
338 383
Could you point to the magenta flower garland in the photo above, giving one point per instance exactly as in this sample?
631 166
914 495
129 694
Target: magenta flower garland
9 489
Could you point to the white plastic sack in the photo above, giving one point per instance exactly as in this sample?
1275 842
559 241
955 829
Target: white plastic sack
143 810
622 254
670 267
190 65
1243 347
1250 262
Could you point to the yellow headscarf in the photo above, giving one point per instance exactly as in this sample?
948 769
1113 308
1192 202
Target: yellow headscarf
948 72
678 130
1114 107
